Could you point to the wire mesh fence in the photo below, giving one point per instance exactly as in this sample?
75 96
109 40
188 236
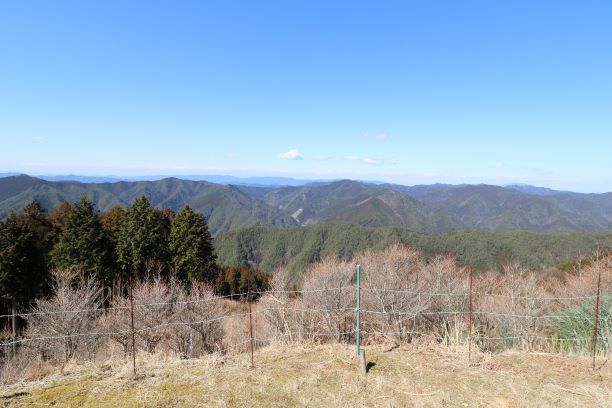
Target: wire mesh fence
328 308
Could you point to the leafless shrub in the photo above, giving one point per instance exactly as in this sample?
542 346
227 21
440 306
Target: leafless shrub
577 304
152 311
582 283
25 364
6 338
115 322
393 291
403 298
511 306
448 299
327 304
278 307
167 316
62 327
197 321
236 329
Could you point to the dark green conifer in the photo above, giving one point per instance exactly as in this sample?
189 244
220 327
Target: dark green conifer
190 245
20 264
143 238
83 243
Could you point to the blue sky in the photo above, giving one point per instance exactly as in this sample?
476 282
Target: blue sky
410 92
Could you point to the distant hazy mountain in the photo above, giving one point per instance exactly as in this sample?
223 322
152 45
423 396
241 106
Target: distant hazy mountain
254 181
83 179
433 208
526 188
219 179
503 209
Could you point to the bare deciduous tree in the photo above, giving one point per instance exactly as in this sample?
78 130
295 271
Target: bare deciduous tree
197 318
328 300
67 319
279 309
394 291
152 311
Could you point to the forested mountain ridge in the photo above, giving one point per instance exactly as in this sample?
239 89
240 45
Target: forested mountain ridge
501 209
426 208
447 207
225 207
296 248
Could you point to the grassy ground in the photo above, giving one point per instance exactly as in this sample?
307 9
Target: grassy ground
327 376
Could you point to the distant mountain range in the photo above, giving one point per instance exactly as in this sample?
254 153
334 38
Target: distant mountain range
425 208
219 179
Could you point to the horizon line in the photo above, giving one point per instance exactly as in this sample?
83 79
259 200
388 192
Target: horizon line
157 177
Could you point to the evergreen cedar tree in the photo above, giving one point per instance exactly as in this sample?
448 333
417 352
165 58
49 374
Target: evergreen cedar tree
37 220
143 238
23 269
83 243
180 240
190 246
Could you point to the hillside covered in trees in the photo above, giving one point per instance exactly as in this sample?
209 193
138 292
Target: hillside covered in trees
295 248
225 207
433 208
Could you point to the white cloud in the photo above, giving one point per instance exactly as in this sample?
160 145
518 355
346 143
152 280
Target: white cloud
372 161
38 138
351 157
323 158
376 162
293 154
376 136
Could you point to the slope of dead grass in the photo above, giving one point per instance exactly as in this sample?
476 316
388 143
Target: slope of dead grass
326 376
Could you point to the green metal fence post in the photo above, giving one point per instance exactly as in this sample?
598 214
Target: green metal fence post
358 310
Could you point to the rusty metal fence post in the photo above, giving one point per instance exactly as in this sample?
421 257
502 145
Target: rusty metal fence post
251 329
13 329
132 327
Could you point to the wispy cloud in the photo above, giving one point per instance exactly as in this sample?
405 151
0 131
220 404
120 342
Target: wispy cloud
293 154
378 162
37 138
351 157
323 158
376 136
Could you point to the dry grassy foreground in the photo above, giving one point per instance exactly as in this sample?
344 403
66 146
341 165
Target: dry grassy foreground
326 376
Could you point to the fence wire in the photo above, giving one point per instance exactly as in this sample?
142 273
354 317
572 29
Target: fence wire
396 313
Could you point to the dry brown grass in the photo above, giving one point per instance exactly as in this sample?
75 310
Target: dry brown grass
325 376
